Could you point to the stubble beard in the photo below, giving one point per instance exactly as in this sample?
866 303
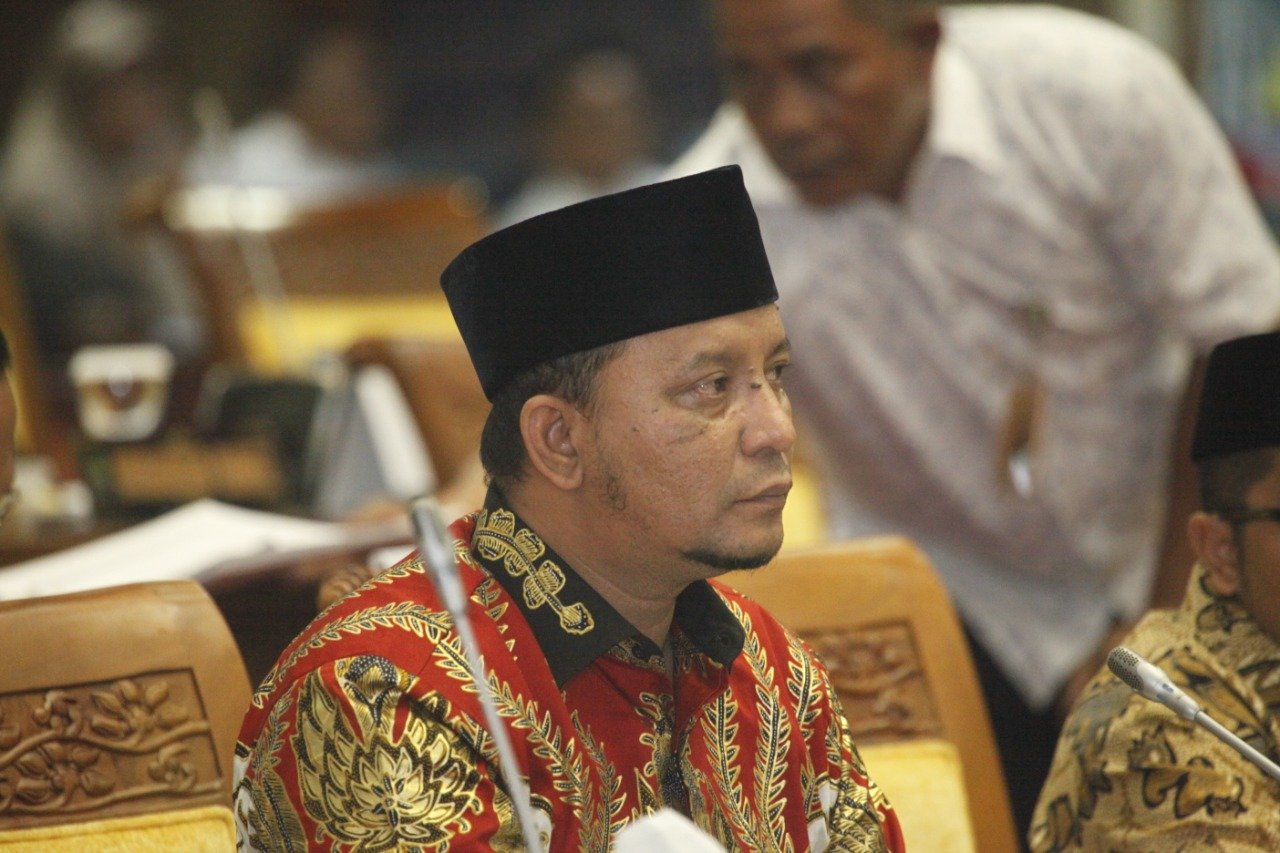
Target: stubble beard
615 496
723 562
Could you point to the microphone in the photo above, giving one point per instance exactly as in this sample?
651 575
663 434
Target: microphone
1149 680
432 541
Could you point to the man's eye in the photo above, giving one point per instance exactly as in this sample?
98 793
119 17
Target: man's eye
821 69
775 372
716 385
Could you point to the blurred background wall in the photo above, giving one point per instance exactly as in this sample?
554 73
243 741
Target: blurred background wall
464 71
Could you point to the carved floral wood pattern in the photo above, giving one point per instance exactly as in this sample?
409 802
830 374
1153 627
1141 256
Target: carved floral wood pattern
877 673
113 746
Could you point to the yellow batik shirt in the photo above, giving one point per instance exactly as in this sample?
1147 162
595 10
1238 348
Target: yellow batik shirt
368 735
1131 775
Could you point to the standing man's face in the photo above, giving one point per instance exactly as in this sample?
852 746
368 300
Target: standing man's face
840 105
689 442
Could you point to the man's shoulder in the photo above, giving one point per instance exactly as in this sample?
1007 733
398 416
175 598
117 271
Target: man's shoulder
1053 30
1049 49
395 617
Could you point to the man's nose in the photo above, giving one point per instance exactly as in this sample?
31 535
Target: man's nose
769 425
791 113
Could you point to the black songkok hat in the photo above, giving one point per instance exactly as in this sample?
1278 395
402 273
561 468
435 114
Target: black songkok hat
608 269
1240 402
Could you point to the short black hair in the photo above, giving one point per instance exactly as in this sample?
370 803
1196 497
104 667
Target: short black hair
1224 480
571 377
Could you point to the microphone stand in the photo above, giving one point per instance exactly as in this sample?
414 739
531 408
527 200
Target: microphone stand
438 557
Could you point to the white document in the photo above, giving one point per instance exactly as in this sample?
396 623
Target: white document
192 541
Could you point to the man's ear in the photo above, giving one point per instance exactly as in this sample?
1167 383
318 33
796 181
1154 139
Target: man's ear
548 428
1214 543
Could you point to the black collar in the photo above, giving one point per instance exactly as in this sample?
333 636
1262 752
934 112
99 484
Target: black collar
573 624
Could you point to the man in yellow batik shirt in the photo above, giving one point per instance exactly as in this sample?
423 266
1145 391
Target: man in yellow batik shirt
1129 774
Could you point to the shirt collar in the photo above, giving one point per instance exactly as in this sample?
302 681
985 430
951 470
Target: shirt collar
961 123
572 622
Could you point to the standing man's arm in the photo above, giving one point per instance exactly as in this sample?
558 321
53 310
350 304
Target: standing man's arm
1175 556
1194 251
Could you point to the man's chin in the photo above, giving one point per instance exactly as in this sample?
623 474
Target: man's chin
723 561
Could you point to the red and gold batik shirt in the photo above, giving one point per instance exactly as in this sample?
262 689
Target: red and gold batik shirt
368 736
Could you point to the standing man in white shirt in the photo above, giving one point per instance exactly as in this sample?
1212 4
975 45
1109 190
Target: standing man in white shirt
1002 238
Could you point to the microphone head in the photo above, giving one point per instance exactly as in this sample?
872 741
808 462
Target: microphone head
1123 663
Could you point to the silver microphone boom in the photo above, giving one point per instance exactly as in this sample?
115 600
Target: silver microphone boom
1150 681
433 544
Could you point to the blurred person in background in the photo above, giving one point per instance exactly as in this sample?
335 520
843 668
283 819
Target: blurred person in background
96 134
593 132
323 136
1002 235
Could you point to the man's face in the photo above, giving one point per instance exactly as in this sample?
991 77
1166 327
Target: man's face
688 447
1259 557
840 105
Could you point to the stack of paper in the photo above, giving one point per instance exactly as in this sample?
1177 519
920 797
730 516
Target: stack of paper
202 541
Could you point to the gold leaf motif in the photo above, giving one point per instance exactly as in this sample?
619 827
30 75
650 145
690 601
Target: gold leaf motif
374 790
496 539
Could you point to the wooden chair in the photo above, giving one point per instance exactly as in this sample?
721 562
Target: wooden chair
880 620
350 269
118 705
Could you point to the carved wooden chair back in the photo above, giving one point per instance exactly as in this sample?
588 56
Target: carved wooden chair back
881 621
116 702
379 252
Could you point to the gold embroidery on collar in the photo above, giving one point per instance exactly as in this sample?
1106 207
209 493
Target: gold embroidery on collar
497 539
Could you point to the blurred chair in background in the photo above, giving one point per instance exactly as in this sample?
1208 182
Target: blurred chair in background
119 710
288 284
880 620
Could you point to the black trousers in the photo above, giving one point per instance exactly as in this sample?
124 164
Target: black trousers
1026 738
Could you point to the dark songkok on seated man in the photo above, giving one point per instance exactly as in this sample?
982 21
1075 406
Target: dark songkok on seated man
1130 774
639 444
